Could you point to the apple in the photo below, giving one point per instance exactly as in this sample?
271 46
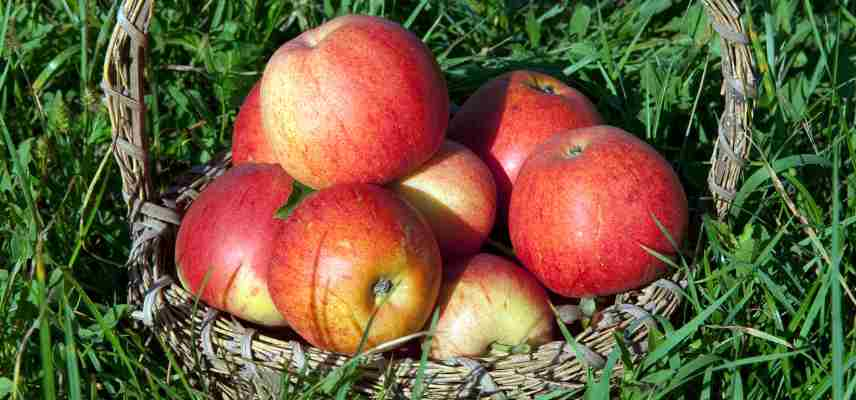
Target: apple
249 143
455 192
225 240
507 117
487 300
358 99
353 251
583 210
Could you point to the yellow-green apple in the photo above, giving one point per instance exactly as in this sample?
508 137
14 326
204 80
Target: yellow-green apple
358 99
487 300
584 212
249 143
225 239
507 117
455 192
353 251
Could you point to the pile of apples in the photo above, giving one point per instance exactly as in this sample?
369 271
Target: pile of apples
348 211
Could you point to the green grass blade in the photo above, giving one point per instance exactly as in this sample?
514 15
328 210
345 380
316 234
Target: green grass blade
419 382
737 386
674 339
52 67
414 14
71 365
762 175
757 360
837 253
45 341
4 28
600 389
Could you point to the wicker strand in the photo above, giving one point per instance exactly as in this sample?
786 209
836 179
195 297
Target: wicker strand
478 377
205 337
589 357
670 286
248 371
152 297
298 356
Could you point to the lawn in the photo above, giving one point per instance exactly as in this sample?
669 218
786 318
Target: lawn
787 330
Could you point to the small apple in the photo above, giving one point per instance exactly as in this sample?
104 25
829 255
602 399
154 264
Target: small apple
455 192
358 99
225 239
507 117
353 251
487 300
249 143
583 212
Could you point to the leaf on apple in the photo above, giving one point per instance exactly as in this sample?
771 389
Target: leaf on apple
298 193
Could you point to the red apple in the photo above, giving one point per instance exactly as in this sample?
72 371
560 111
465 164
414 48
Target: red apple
488 300
249 143
358 99
224 242
455 192
506 118
354 250
584 207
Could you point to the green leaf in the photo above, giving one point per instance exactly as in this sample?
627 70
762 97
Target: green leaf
651 8
533 28
298 193
580 20
6 386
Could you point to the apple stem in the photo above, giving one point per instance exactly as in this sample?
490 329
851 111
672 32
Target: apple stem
574 151
382 287
588 306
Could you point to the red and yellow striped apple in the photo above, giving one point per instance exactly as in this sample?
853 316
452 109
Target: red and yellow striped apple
224 242
249 143
507 117
487 300
351 251
583 212
455 192
358 99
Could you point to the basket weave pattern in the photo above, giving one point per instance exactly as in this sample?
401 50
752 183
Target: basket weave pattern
231 360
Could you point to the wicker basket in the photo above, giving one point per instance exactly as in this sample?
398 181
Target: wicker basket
231 360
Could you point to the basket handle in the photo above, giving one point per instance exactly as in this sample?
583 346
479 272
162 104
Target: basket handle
124 88
734 135
123 84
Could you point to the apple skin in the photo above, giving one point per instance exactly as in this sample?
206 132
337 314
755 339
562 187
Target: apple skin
455 192
225 240
487 299
343 244
507 117
249 143
358 99
582 209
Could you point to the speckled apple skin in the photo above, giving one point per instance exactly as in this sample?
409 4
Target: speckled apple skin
579 223
358 99
507 117
455 192
227 234
249 143
340 242
487 299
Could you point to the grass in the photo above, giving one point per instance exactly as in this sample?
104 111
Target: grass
768 311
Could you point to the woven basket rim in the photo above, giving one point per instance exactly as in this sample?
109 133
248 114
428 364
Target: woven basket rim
236 360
